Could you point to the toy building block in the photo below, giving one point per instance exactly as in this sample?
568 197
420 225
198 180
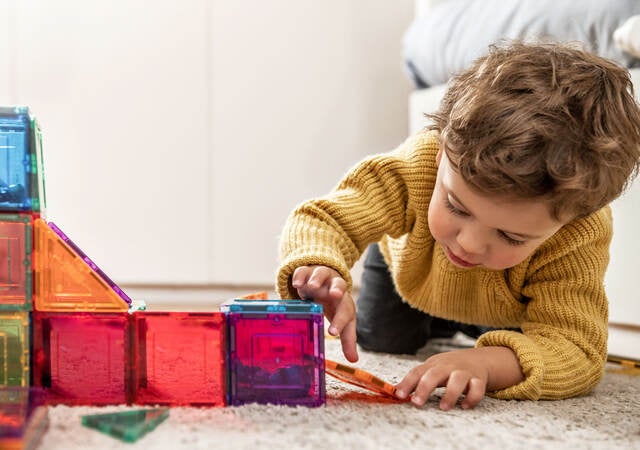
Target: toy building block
260 295
179 358
14 348
21 170
16 249
37 187
262 306
91 264
64 281
276 352
128 426
82 358
360 378
24 418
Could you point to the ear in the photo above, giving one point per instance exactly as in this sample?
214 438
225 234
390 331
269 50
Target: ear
439 157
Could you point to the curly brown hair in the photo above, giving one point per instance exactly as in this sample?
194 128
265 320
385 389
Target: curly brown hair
543 120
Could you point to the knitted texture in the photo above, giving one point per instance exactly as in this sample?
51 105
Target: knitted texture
555 296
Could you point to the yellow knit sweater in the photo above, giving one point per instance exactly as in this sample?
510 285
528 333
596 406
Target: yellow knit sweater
555 296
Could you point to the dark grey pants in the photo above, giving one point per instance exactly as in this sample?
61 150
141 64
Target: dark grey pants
385 323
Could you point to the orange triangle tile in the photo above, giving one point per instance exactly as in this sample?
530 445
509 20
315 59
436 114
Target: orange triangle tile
64 282
261 295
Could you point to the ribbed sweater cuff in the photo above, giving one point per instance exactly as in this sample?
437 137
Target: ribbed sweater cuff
531 362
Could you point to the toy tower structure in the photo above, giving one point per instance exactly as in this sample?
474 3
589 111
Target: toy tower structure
67 329
22 203
23 419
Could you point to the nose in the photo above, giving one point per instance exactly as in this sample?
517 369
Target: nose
472 241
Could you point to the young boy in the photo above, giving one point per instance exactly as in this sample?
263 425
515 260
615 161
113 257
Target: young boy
494 218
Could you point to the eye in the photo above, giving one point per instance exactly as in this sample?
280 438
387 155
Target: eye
453 209
510 240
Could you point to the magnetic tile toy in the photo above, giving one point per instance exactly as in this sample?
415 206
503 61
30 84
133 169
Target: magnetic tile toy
82 358
275 357
128 426
16 249
23 418
179 358
359 377
64 281
21 171
14 348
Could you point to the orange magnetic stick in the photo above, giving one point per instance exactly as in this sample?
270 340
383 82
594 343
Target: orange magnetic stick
360 378
262 295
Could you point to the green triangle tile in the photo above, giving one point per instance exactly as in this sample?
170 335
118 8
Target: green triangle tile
128 426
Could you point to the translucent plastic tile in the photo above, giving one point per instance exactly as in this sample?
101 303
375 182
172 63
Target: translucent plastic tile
64 281
276 358
128 426
21 174
360 378
14 348
179 358
78 251
16 251
15 159
272 306
82 358
23 417
38 193
260 295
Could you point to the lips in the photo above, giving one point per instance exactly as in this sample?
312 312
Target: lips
459 261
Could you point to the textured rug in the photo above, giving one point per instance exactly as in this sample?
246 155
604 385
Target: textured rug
353 418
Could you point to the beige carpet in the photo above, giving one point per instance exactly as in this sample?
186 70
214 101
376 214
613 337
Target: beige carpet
609 418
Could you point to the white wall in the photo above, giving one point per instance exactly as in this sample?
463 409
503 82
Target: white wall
5 24
301 91
179 134
621 281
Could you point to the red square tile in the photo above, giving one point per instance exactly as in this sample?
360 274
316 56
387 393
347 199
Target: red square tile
179 358
82 358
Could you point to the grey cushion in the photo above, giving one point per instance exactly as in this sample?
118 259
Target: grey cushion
455 32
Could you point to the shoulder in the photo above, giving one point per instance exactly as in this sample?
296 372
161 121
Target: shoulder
424 143
584 241
415 155
594 229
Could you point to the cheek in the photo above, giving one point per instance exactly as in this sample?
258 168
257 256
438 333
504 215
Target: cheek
439 222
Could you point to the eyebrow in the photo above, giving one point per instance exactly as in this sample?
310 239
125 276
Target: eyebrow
513 233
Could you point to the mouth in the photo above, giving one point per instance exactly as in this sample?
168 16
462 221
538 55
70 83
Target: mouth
457 260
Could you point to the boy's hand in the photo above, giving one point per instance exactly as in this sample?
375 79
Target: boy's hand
470 372
326 286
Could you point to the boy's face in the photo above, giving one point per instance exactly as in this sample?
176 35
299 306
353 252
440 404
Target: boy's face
477 230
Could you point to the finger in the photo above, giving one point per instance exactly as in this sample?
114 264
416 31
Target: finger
319 276
344 314
475 393
311 283
319 283
338 287
457 383
410 381
431 379
348 341
300 276
335 294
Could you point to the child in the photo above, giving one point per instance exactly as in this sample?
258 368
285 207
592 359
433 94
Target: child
494 218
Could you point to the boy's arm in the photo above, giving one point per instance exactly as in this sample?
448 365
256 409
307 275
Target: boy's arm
563 345
373 199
